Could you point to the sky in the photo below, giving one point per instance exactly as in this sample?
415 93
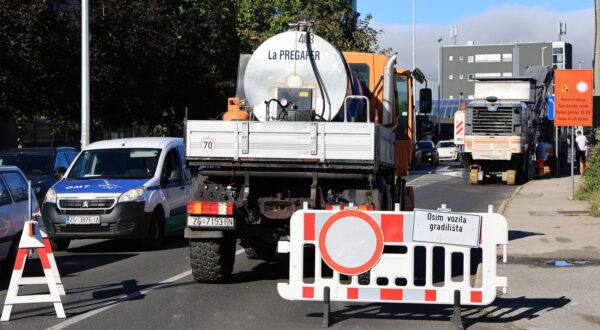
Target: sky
481 21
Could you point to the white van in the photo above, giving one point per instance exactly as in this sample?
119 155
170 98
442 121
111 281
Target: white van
14 211
126 188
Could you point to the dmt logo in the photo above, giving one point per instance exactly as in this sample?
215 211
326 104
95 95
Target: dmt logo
82 186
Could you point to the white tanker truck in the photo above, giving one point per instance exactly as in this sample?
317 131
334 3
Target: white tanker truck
308 124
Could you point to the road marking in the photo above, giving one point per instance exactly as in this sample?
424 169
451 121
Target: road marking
125 298
428 179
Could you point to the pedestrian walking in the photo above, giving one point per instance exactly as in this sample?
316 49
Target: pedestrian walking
581 143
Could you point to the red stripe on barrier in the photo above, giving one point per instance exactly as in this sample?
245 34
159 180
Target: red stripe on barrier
430 295
47 245
309 226
459 130
44 258
390 294
308 292
476 296
352 293
21 255
392 226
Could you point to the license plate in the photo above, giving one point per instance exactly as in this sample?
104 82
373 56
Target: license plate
83 220
211 222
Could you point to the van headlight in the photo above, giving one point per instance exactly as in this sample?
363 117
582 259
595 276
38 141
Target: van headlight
133 195
50 196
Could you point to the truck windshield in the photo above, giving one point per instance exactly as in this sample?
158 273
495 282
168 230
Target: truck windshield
30 163
115 164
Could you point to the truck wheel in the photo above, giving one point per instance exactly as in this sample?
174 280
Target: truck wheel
212 259
59 244
156 232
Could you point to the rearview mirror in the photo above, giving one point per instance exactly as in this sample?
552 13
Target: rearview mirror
425 100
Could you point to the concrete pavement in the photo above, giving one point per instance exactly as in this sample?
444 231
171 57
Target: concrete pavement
545 224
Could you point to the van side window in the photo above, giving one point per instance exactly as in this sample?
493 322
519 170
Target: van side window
17 185
170 164
4 196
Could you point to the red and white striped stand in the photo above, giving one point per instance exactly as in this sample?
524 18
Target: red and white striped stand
34 238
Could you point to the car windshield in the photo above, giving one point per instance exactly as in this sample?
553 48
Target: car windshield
425 145
445 145
115 164
34 163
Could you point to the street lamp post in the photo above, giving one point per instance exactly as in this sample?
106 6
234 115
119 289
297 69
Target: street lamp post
543 49
439 87
85 74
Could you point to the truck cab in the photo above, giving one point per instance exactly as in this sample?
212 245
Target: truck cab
127 188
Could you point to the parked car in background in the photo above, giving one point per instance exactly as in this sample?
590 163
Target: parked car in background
43 166
14 211
134 188
447 150
429 153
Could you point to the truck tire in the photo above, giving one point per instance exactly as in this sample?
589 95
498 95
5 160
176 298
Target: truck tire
212 259
59 244
156 232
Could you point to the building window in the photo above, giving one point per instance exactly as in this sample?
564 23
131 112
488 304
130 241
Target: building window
506 74
557 58
557 50
461 57
450 96
470 58
487 75
507 57
461 77
450 58
470 77
486 58
451 77
470 97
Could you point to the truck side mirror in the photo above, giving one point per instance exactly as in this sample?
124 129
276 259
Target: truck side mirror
425 100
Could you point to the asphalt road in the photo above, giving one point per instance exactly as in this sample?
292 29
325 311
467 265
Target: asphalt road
112 285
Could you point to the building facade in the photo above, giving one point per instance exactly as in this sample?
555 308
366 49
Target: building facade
460 65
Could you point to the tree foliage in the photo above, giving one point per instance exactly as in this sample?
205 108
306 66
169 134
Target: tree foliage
148 59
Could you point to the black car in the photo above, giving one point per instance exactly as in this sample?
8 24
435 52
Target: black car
429 153
41 165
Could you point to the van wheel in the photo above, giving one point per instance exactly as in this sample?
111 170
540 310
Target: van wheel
156 232
59 244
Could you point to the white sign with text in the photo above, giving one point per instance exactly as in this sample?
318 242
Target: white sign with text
446 228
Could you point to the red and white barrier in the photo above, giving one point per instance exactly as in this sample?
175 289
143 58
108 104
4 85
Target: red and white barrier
380 245
33 238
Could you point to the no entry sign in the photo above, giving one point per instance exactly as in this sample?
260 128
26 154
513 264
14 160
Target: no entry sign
573 98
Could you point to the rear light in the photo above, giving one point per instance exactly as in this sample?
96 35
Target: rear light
209 208
339 207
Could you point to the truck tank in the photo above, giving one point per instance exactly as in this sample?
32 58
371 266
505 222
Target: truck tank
280 79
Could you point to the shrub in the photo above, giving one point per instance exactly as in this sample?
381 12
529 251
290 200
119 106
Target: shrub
590 184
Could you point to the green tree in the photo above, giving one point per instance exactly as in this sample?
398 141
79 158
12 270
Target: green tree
335 21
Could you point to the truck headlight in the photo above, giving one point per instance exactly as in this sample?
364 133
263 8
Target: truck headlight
133 195
50 196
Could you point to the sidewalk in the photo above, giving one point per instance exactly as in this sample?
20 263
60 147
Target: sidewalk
544 224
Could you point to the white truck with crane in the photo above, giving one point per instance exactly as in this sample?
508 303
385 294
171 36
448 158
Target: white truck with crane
308 124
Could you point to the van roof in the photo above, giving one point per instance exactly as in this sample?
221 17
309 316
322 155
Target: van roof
142 142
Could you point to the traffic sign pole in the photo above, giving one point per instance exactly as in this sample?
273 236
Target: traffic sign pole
572 162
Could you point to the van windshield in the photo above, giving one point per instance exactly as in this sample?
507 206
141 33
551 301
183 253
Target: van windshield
115 164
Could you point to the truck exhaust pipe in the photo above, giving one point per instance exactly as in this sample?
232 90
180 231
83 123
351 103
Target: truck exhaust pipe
388 90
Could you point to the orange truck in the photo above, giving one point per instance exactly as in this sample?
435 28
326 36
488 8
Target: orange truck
309 126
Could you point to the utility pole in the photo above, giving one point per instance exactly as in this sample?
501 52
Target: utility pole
596 51
85 74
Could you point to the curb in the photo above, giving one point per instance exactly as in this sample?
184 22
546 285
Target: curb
505 202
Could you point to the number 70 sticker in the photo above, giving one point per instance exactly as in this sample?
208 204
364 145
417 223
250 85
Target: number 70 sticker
207 145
